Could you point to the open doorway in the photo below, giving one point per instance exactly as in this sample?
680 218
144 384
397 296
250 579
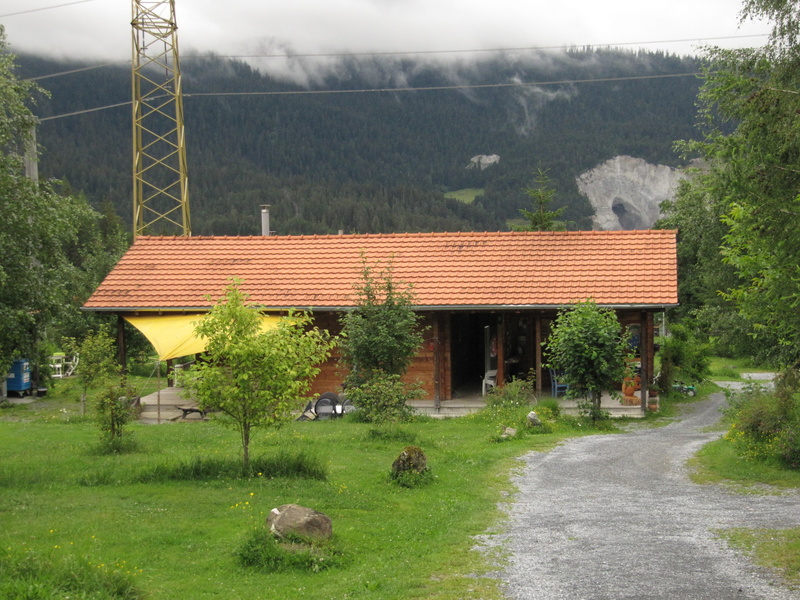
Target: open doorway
472 351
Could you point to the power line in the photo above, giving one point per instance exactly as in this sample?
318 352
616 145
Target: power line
71 71
33 10
391 90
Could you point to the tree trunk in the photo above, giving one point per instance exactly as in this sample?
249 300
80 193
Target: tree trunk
246 450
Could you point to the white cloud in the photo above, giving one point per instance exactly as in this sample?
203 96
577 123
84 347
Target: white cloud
101 28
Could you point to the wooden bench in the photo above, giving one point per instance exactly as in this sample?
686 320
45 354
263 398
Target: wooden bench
191 408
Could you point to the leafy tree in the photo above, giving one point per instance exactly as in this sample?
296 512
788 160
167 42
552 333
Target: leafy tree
382 334
254 378
96 364
588 346
751 147
114 409
47 267
541 218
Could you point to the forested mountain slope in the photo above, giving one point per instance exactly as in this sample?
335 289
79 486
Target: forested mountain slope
372 161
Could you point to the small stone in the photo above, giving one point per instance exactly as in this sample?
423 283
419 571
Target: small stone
508 432
533 419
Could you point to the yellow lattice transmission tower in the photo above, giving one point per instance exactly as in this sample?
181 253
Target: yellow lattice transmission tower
160 182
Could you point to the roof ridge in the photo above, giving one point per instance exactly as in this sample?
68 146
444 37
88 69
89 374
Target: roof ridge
419 234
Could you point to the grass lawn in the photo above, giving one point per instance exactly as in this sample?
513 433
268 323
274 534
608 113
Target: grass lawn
731 369
65 502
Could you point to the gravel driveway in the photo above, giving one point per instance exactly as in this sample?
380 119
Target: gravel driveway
616 516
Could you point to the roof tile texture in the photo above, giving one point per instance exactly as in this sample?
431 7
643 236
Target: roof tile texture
481 269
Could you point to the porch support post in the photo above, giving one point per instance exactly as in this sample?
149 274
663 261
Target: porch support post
501 350
537 351
122 354
645 354
437 374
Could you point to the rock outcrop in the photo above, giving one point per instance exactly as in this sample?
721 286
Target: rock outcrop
481 161
626 192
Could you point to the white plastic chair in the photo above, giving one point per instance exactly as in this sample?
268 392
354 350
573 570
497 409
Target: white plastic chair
489 381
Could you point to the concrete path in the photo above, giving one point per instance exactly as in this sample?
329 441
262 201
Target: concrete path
616 516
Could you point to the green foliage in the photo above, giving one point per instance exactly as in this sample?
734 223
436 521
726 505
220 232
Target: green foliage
509 405
752 156
412 479
383 399
31 575
381 335
588 346
765 424
114 409
683 357
261 550
542 195
97 360
52 249
254 378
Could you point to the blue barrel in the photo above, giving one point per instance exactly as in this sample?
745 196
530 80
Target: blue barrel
19 379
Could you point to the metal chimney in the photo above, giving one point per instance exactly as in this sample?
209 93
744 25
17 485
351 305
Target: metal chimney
265 219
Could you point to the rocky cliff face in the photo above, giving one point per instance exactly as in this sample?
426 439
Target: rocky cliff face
626 192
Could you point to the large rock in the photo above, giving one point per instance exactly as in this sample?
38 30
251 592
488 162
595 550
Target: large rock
293 519
411 460
627 192
481 161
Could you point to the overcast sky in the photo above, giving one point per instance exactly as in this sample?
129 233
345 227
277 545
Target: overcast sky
100 29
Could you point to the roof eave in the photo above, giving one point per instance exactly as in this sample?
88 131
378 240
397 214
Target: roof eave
431 308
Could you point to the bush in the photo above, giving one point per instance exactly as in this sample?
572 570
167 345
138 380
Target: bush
509 405
114 409
263 551
383 398
765 424
683 356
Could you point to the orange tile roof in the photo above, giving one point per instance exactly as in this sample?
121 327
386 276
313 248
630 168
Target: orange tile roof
460 270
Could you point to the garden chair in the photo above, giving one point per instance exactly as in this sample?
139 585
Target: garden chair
557 388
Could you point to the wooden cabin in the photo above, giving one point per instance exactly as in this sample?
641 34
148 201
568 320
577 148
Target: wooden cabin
488 298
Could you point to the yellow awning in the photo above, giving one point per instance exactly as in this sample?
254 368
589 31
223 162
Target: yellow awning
173 335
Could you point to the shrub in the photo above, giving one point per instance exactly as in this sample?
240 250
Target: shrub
383 398
412 479
263 551
787 446
516 393
114 410
682 356
765 424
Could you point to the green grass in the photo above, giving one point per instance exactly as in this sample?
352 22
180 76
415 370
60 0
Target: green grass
175 512
776 549
466 195
731 369
718 462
